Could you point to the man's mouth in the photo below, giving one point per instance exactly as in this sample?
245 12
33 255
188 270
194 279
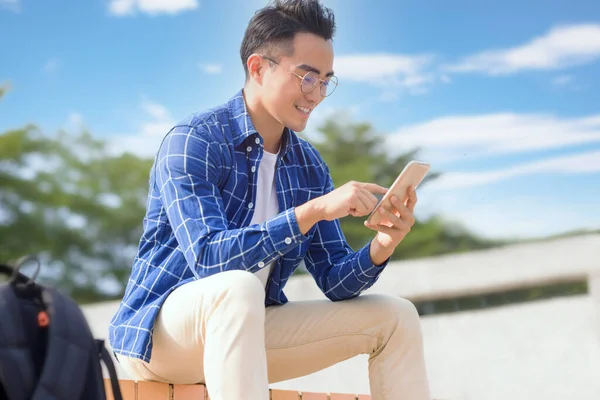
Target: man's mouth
304 110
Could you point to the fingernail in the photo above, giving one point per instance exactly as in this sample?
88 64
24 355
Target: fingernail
393 198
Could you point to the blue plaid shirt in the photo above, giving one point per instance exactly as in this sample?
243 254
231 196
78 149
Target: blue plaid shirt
202 191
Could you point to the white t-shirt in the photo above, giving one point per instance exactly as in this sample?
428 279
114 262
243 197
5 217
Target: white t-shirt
267 205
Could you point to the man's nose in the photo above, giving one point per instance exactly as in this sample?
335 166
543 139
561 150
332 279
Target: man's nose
315 95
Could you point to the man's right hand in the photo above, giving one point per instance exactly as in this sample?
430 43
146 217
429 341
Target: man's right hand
353 198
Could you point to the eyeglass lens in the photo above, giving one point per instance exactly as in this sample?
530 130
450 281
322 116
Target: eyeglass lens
311 79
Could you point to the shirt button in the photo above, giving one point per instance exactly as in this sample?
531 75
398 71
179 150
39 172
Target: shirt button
253 169
257 140
250 205
261 264
288 240
249 149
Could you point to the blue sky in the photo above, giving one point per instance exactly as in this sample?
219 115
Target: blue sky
502 97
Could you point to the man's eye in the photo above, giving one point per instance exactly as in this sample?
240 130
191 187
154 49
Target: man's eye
310 79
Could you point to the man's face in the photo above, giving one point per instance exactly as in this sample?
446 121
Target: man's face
282 94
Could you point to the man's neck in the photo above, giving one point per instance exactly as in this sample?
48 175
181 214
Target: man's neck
269 129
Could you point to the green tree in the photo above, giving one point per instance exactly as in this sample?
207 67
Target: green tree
68 199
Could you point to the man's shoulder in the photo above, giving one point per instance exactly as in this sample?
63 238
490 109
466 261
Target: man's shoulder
206 122
204 132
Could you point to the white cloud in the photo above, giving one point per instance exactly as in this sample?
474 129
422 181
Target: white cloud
156 111
452 137
386 70
152 7
388 96
11 5
588 162
561 47
52 65
74 122
122 7
210 68
468 196
161 121
521 216
563 80
474 201
445 78
146 142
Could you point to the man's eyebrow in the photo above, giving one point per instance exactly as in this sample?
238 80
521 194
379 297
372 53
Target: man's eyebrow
313 69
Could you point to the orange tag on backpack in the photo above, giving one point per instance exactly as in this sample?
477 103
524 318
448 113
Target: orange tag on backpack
43 319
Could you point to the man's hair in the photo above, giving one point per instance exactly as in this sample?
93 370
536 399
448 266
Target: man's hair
274 27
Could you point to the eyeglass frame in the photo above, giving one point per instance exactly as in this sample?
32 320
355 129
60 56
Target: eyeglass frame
319 80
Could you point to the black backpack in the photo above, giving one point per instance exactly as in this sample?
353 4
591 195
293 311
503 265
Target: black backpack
47 351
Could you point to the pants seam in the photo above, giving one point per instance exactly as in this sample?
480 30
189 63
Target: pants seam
322 339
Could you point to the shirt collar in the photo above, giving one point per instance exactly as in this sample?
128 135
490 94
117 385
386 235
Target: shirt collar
243 128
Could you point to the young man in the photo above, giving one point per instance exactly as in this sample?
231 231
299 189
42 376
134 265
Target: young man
236 202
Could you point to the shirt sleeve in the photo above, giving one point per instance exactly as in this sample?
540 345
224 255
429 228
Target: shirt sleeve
340 272
188 169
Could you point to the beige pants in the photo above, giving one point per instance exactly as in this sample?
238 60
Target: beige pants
217 331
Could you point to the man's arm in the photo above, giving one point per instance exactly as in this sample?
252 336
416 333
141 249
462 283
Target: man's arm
340 272
188 169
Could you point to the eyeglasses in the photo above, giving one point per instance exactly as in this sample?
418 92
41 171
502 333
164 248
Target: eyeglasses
311 79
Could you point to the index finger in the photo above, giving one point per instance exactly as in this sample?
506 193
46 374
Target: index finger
374 188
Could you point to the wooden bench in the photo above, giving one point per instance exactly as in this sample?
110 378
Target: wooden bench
142 390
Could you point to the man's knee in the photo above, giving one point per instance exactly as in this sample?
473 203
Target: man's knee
244 290
399 310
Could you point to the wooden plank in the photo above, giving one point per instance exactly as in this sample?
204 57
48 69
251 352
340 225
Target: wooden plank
153 391
284 395
189 392
314 396
128 389
341 396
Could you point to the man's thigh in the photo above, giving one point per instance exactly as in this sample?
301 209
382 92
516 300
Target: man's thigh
306 336
180 330
177 348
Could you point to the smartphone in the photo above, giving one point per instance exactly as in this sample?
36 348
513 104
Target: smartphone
412 175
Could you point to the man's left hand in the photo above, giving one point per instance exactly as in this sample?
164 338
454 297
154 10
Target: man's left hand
394 225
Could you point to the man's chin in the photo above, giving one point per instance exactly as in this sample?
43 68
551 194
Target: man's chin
297 126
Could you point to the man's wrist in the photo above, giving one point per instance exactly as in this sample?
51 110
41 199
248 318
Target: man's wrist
308 214
379 255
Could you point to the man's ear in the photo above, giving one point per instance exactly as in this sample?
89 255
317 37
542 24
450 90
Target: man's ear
255 68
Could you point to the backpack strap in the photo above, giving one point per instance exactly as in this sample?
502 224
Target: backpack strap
112 372
17 373
13 273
